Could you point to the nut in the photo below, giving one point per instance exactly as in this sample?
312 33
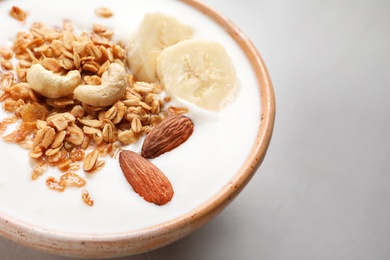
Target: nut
167 135
52 85
145 178
114 83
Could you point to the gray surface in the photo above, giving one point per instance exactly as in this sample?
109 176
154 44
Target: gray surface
322 191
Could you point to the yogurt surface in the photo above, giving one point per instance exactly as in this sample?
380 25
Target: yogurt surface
197 169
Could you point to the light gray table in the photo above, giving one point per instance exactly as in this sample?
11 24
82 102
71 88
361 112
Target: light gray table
323 190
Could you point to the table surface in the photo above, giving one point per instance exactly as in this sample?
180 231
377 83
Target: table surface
322 191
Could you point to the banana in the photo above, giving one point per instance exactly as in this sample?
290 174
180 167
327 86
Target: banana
155 32
200 72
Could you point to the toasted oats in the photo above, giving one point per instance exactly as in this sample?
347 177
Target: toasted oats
111 113
74 166
36 153
3 127
71 179
66 53
6 80
108 133
57 46
121 110
32 56
100 40
58 141
143 87
98 138
102 115
54 184
103 68
67 25
74 134
91 122
18 13
91 66
94 80
53 160
6 53
104 12
77 154
10 120
118 52
107 34
90 160
6 65
78 111
48 138
109 149
69 117
65 165
53 151
98 28
63 102
41 124
127 137
35 43
68 146
177 110
67 63
99 165
85 143
145 106
19 90
76 60
131 115
21 73
39 136
136 125
94 51
155 107
11 105
68 40
90 130
24 63
110 55
39 169
87 198
155 119
58 121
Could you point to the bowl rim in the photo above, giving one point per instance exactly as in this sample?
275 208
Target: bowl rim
139 241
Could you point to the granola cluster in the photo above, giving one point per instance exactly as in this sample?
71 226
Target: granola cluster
64 132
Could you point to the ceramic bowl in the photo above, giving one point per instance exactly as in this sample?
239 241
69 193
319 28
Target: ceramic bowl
90 244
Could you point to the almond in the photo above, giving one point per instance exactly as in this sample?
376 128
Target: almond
146 179
167 135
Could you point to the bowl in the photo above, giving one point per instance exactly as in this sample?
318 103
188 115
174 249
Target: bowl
209 171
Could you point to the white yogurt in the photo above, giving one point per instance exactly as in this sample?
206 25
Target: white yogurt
198 169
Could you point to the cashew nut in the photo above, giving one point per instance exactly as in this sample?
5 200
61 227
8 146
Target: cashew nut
114 82
52 85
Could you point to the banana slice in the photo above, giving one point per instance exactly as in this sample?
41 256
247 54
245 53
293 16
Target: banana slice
200 72
155 32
